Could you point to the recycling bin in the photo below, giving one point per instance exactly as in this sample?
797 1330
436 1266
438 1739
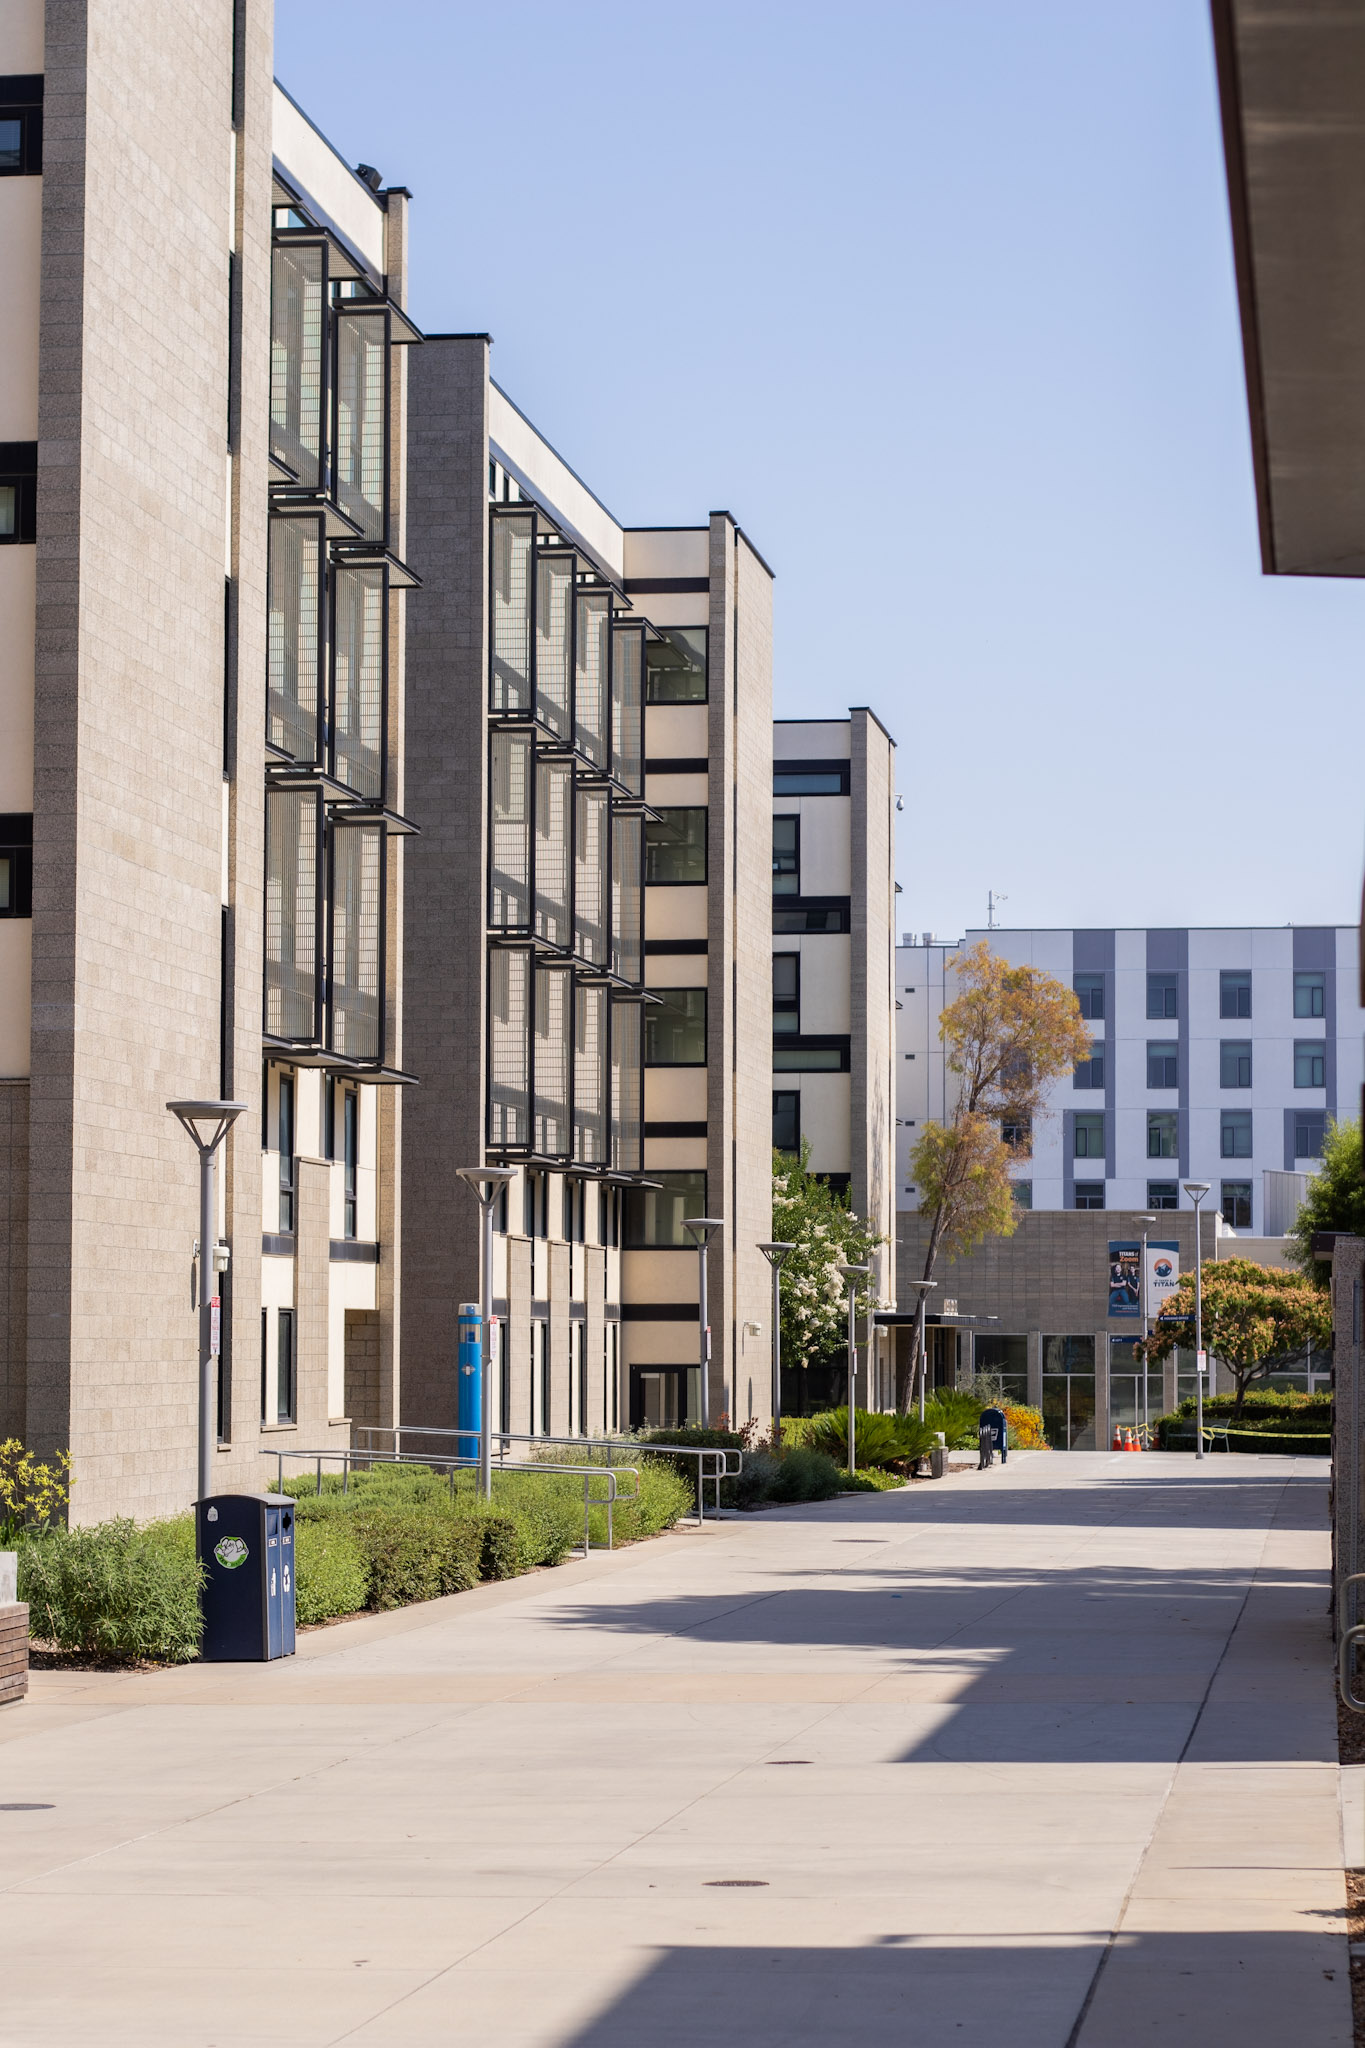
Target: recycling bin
246 1545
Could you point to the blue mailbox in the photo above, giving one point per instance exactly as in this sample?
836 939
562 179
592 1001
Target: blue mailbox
246 1545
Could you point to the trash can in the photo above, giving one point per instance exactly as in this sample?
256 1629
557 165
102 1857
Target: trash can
246 1543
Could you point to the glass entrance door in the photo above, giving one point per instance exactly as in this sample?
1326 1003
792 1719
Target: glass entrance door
1069 1393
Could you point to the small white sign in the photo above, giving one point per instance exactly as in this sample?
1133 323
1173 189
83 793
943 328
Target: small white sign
215 1326
1201 1361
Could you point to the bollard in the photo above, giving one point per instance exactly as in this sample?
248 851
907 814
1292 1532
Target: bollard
469 1416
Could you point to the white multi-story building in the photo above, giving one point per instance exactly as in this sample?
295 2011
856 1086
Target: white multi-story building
1218 1055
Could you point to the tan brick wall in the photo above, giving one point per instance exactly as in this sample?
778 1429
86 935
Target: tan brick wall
13 1257
363 1390
13 1651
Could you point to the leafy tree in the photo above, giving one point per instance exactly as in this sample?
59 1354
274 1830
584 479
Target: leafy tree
808 1213
1335 1200
1257 1319
1009 1033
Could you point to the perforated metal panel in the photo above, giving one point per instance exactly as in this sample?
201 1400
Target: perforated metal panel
590 1076
592 665
553 851
357 872
627 683
294 637
292 846
509 1048
510 648
626 855
590 876
626 1088
358 670
509 886
554 639
361 409
551 1056
296 360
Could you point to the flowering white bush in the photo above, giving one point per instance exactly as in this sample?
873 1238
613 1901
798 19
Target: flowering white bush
809 1214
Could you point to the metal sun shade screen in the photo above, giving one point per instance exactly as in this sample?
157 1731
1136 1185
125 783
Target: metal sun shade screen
590 1076
592 669
627 673
358 680
554 639
510 651
625 1087
551 1054
293 640
509 1047
553 850
625 898
292 830
296 342
361 405
511 757
590 876
357 876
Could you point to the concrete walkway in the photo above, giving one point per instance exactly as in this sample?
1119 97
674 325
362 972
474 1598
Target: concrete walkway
1041 1756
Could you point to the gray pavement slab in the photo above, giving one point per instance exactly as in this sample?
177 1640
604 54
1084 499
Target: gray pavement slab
1044 1757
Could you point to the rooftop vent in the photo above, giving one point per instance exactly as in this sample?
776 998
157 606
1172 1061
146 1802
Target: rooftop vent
369 176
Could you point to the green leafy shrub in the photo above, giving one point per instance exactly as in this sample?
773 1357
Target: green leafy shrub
115 1590
957 1414
330 1573
665 1495
796 1432
806 1475
1025 1429
873 1480
412 1553
876 1440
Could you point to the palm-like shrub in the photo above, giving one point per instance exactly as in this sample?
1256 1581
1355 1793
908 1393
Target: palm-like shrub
885 1442
957 1415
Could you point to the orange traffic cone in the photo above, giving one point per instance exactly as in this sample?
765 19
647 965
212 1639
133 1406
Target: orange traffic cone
1134 1443
1118 1438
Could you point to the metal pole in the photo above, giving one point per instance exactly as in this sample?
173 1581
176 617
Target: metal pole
777 1354
1198 1335
1143 1284
920 1347
852 1383
705 1333
208 1282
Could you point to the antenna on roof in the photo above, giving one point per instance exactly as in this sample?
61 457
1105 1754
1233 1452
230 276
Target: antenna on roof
993 897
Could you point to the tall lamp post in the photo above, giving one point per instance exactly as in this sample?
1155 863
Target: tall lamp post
921 1349
1146 1222
777 1254
852 1274
700 1228
486 1183
1196 1190
207 1124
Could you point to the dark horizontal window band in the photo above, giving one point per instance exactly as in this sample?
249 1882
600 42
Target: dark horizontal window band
16 829
660 1311
675 1130
666 583
278 1245
353 1251
21 89
18 489
789 772
676 764
662 946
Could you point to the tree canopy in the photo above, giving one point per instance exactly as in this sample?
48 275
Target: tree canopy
811 1215
1335 1200
1256 1319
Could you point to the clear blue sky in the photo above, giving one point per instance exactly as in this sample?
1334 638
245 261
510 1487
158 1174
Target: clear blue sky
937 298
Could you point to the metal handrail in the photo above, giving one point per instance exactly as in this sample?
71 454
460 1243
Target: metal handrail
588 1473
1344 1650
1355 1579
716 1473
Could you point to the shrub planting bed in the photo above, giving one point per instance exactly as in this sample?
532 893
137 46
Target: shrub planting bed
1271 1424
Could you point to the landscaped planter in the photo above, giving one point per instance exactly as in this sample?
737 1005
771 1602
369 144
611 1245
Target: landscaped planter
13 1633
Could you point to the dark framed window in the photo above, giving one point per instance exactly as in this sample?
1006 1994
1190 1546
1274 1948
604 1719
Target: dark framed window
329 1119
21 126
575 1204
18 492
1068 1354
820 916
1163 1194
1234 992
1088 1194
787 1119
786 992
675 847
1237 1203
285 1390
811 1053
350 1152
786 856
1310 993
655 1216
675 1029
1310 1063
1234 1063
1017 1133
1089 990
1235 1134
16 864
1088 1139
1310 1134
1163 995
810 778
1090 1073
1022 1191
1163 1134
265 1359
536 1204
675 666
1163 1063
285 1126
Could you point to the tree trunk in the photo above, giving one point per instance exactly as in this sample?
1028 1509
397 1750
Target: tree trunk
905 1374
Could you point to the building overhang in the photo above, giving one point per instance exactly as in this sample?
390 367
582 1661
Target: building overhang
1292 87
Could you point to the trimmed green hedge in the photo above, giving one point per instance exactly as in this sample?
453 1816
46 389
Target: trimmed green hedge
1272 1423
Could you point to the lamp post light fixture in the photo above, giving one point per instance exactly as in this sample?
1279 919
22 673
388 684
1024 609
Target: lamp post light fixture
777 1254
1196 1190
486 1183
852 1274
207 1124
701 1228
921 1349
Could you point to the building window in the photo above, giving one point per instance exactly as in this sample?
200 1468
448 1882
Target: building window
1088 1142
786 992
1163 995
1236 1134
1022 1190
812 917
18 492
810 778
1310 1063
675 847
1234 992
786 856
1237 1204
655 1216
1310 1134
675 1029
1234 1063
1163 1134
1089 994
1310 994
1090 1073
786 1120
286 1151
16 864
284 1365
536 1204
350 1144
1163 1194
21 128
1162 1063
675 666
1017 1133
816 1053
1088 1194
